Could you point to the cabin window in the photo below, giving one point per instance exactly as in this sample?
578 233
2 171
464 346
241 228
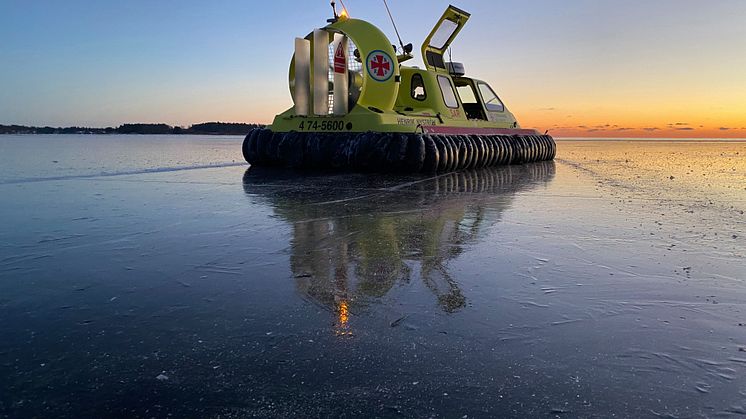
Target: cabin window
491 101
449 96
443 34
470 100
418 88
466 93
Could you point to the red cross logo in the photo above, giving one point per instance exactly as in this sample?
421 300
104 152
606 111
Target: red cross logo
379 66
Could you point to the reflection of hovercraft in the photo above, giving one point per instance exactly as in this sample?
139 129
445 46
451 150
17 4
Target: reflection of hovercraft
357 108
355 237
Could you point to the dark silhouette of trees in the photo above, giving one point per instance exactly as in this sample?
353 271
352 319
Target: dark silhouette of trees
145 129
206 128
222 128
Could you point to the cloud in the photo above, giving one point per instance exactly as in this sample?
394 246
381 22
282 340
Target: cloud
680 126
547 109
724 129
651 129
604 127
676 125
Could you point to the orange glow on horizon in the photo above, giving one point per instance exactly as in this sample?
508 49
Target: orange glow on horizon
618 124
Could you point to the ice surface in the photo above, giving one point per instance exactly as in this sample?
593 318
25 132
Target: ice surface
591 285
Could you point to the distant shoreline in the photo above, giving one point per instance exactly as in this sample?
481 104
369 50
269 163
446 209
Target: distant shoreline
206 128
241 129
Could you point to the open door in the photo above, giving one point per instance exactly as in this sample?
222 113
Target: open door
440 38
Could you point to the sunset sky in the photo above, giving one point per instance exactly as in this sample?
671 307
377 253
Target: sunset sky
598 68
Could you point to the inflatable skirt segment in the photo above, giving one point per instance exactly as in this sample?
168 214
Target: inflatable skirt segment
392 152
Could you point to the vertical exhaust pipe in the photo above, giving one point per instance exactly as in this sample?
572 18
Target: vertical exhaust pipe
320 72
302 90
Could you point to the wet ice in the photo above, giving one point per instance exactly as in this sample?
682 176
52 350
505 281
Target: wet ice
578 287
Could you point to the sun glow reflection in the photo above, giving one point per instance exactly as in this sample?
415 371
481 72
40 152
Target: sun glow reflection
343 318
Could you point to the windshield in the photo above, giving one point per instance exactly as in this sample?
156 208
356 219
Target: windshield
491 101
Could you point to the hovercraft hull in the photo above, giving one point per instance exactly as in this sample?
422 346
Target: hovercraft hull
395 152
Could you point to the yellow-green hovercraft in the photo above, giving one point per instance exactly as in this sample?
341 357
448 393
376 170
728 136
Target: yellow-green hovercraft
357 108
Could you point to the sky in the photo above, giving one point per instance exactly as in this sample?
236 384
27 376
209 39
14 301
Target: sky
593 68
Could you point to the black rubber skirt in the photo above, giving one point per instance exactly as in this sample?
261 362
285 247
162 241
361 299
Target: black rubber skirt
393 152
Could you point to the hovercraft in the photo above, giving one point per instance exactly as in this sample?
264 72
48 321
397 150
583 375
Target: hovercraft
357 108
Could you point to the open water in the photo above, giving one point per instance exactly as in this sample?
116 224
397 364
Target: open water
158 275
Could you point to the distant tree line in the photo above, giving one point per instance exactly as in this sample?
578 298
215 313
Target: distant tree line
207 128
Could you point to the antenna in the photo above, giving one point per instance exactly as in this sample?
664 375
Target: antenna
334 9
344 8
394 23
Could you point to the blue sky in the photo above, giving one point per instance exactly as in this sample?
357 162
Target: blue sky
105 62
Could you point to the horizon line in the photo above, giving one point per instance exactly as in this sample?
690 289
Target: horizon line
562 137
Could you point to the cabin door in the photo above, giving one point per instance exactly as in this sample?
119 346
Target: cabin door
444 32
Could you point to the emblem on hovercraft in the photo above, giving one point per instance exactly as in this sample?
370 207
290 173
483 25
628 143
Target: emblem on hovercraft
380 65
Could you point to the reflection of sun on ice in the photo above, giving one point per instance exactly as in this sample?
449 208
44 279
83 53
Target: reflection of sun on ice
343 317
343 314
